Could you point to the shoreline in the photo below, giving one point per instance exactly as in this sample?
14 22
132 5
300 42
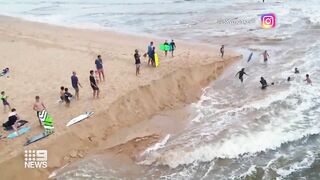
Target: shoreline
176 83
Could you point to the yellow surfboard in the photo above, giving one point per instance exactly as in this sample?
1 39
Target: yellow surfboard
156 59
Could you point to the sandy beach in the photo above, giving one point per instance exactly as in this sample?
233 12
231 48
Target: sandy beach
42 57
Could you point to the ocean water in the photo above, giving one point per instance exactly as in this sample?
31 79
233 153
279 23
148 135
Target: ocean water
239 131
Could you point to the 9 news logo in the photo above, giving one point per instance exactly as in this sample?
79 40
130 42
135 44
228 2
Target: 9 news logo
268 21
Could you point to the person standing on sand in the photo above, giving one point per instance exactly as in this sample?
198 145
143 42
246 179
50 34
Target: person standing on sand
166 44
4 99
38 106
308 79
99 66
137 62
241 73
149 52
94 85
75 84
222 51
265 56
173 47
153 61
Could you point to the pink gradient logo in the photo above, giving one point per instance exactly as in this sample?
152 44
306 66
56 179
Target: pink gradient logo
268 21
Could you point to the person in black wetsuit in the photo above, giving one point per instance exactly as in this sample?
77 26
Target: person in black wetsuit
296 71
93 84
263 83
241 73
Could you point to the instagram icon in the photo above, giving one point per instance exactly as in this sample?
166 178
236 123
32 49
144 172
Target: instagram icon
268 21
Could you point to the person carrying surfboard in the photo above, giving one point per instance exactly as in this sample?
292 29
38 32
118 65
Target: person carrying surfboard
38 106
149 52
45 119
172 46
165 45
137 61
241 73
94 85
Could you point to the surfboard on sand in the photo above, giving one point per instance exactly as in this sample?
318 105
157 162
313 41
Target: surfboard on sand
250 56
156 59
79 118
20 132
37 138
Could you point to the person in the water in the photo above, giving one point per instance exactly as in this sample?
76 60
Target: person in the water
265 56
263 83
296 71
241 73
308 79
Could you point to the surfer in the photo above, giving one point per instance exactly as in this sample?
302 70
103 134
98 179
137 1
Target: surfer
137 61
296 71
153 61
222 51
99 66
38 106
308 79
4 99
165 45
173 47
94 85
67 97
289 79
265 56
241 73
13 117
263 83
75 84
149 52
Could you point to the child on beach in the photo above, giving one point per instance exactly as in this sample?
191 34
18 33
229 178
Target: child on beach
4 99
137 61
38 106
94 85
67 97
61 94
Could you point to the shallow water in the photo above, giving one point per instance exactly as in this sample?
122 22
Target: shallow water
240 131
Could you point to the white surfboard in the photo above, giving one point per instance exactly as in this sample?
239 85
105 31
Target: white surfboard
79 118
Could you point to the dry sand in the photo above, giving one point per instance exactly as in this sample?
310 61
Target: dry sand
41 58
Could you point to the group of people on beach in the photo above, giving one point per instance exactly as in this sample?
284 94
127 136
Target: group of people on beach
65 96
95 77
263 81
151 53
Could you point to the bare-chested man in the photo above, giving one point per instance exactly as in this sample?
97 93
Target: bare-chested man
38 106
